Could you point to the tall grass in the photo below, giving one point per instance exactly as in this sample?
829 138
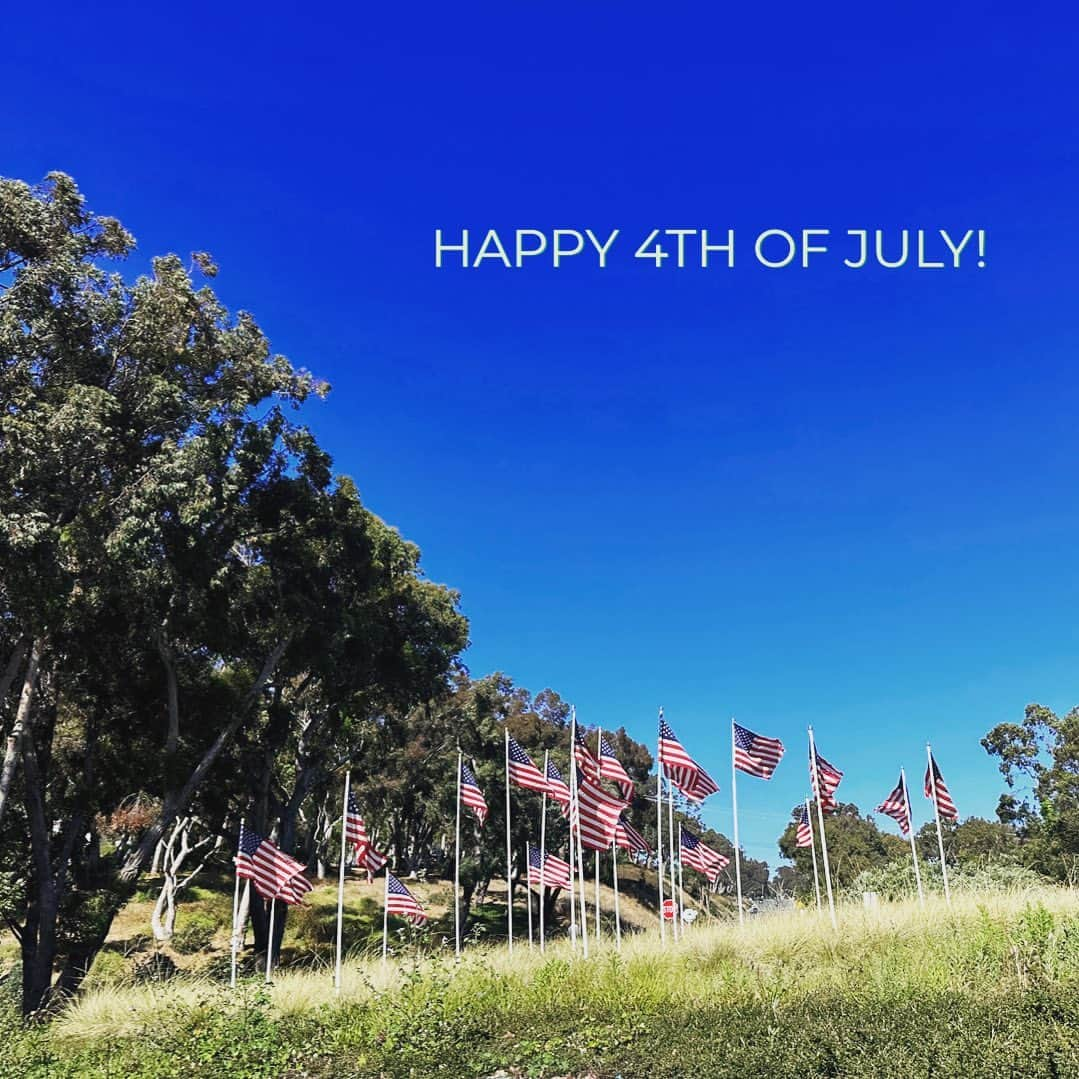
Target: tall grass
988 987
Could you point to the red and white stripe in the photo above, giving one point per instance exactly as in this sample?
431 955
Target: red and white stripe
554 872
825 780
804 832
895 806
695 854
934 783
755 754
610 767
268 868
628 838
471 795
599 813
399 900
680 768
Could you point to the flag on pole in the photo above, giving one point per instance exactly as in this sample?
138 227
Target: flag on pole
681 769
755 754
804 833
599 812
934 780
705 860
268 868
471 794
552 873
355 830
556 785
522 771
399 900
584 757
356 837
825 779
611 768
895 806
295 890
628 838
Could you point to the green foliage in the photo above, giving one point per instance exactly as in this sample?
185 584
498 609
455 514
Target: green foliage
985 990
194 931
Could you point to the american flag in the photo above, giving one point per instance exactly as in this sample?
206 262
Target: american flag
895 806
522 771
599 813
295 890
269 869
825 778
804 833
755 754
628 838
705 860
399 900
611 768
584 757
356 836
471 794
551 873
680 768
556 785
355 830
372 859
933 779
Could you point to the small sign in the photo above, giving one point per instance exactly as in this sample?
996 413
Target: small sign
668 910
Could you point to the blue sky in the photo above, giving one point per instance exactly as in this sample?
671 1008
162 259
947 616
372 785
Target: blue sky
815 496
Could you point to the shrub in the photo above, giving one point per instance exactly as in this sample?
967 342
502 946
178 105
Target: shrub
194 932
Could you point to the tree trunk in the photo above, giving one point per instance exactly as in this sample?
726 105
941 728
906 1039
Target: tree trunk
176 802
22 725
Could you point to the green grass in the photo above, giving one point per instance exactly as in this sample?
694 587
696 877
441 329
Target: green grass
990 988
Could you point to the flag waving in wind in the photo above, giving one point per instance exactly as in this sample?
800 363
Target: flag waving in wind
895 806
611 768
269 869
522 771
356 836
471 794
599 813
584 757
680 768
934 785
399 900
705 860
556 785
804 831
551 873
628 838
755 754
825 779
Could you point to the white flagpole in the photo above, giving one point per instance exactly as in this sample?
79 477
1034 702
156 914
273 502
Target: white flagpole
543 854
813 851
457 866
675 927
236 917
599 740
734 810
509 851
528 893
572 863
659 838
681 887
386 916
269 944
940 834
823 837
576 804
341 887
910 829
617 912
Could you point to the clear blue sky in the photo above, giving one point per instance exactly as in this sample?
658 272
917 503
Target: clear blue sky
819 496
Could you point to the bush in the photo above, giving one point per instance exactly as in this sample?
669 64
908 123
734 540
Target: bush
194 932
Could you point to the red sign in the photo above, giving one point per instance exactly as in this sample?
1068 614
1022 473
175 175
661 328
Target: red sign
668 910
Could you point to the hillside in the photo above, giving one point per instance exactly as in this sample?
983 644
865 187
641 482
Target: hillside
988 988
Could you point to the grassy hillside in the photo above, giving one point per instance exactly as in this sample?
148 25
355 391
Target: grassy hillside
990 988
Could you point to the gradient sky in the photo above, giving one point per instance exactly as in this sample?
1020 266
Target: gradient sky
798 497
